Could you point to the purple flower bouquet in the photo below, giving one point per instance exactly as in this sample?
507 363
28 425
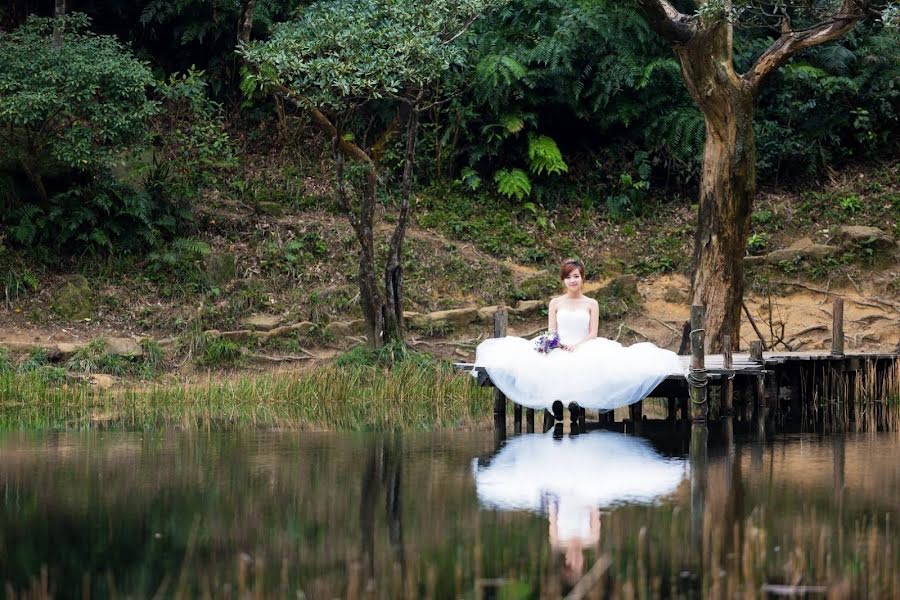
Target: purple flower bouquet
547 342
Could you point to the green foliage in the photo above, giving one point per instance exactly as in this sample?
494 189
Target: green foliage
545 157
513 183
178 262
191 143
101 214
393 355
628 197
851 204
17 283
94 358
75 106
218 352
757 243
6 364
338 54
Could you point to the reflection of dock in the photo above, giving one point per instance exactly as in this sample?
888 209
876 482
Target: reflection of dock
825 385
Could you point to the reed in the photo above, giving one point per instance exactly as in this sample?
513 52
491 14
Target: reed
407 396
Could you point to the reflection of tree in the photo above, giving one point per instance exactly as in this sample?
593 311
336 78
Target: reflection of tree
383 470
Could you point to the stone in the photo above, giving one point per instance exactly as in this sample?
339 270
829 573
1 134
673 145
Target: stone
303 328
859 235
539 286
623 286
273 209
241 335
65 350
810 251
675 295
754 261
102 381
120 346
528 307
339 329
75 299
220 268
357 326
486 314
456 316
261 322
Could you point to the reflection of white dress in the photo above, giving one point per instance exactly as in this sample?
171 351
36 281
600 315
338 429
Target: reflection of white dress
599 374
594 470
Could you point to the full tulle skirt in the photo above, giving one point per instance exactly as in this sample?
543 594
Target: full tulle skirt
599 469
600 374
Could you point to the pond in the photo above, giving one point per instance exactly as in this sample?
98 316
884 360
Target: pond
449 515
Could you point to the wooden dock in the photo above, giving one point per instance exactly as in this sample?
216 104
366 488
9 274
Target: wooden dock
759 374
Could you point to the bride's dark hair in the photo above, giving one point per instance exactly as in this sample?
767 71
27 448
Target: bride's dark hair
569 265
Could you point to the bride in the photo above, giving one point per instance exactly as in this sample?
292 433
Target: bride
589 371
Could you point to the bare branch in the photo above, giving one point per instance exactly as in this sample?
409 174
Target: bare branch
793 41
665 20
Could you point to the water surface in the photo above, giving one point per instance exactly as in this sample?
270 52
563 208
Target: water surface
446 515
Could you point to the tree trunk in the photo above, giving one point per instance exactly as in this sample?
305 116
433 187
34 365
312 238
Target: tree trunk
370 298
59 12
393 269
246 22
727 181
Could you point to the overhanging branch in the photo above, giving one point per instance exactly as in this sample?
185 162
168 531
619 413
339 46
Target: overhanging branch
793 41
666 21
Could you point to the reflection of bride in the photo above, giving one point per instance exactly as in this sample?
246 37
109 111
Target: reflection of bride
593 372
571 479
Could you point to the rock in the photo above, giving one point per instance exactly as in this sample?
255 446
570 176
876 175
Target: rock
754 261
220 268
241 335
357 326
272 209
119 346
528 307
623 286
806 252
486 314
457 316
539 286
261 322
75 299
418 321
850 236
303 328
339 329
103 382
65 350
675 295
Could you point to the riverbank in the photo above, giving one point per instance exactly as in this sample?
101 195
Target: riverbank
411 395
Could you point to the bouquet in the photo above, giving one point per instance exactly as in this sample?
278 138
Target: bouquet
547 342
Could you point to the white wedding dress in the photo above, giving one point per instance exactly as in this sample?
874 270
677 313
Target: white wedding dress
599 374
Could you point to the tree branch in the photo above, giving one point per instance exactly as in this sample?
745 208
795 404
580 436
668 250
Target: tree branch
793 41
666 21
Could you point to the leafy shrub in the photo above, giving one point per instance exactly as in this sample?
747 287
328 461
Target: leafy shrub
219 352
512 183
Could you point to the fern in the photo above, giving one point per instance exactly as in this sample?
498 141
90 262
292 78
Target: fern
545 156
513 183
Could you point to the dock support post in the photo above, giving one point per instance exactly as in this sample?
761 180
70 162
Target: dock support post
756 351
529 420
671 408
727 408
837 328
636 411
500 323
698 380
517 418
549 421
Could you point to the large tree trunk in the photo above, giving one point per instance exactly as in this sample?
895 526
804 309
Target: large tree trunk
727 181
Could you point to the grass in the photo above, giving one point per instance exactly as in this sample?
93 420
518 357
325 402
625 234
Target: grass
412 395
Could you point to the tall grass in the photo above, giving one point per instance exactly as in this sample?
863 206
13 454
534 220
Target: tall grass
408 396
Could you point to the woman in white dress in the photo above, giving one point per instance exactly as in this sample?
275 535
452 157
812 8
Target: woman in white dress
585 370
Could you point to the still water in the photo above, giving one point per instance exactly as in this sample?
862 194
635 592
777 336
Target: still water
455 515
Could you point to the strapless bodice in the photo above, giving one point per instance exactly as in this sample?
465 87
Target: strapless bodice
572 325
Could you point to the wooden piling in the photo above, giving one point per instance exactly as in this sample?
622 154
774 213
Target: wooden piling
636 411
517 418
698 380
728 383
837 328
756 350
529 420
501 319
